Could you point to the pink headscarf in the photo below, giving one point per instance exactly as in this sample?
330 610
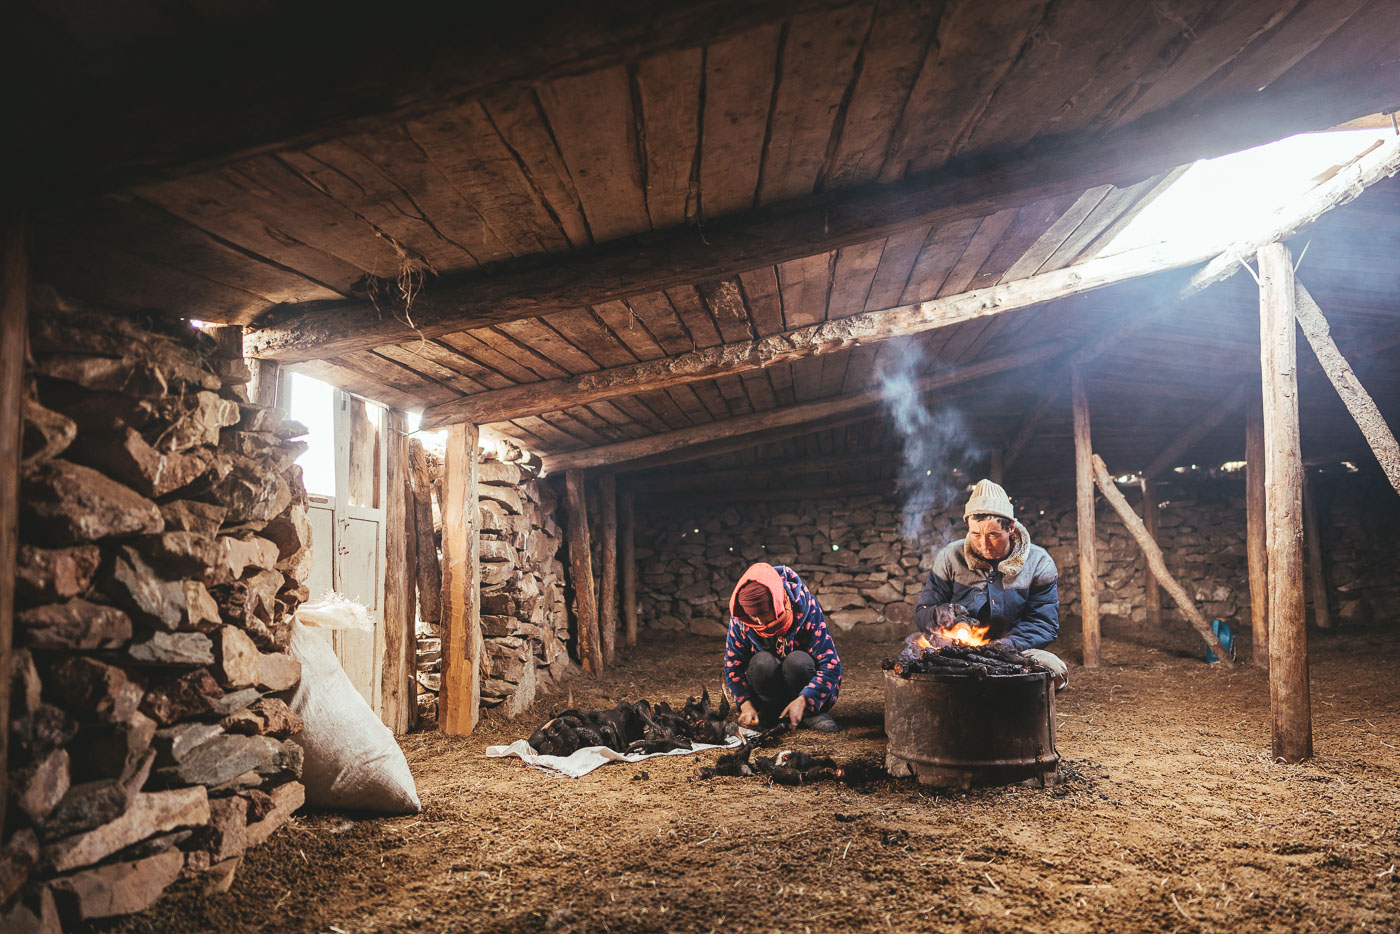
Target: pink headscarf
768 576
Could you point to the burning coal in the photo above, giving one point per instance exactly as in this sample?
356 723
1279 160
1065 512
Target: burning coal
955 643
934 441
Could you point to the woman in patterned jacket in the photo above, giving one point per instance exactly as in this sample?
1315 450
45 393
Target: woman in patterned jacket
779 660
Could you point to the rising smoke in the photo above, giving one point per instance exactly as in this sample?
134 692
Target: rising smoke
935 441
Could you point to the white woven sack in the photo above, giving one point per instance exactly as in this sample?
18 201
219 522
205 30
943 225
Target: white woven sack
353 762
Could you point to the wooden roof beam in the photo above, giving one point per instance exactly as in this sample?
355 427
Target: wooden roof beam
803 413
826 337
967 188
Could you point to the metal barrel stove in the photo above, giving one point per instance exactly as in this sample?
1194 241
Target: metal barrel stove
956 731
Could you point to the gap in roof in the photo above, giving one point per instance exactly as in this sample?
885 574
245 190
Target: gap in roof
1219 201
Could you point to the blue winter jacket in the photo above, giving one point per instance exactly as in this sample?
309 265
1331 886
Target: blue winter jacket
1018 597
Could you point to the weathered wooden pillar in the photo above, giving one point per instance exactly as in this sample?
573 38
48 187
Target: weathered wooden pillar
1317 568
628 549
996 467
1084 498
459 703
607 583
266 387
1152 591
429 571
1255 530
1283 486
590 650
398 697
14 311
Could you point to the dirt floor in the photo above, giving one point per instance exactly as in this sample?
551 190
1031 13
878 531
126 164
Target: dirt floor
1171 817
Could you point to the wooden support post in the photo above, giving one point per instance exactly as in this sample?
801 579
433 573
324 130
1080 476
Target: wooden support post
1256 530
459 703
1283 486
590 650
1317 568
607 583
1153 554
1358 401
1084 498
1151 512
14 312
429 571
996 467
398 697
628 547
266 387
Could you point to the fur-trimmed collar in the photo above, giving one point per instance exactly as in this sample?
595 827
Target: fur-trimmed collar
1010 566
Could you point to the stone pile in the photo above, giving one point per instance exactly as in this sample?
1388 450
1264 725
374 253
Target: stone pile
523 615
163 546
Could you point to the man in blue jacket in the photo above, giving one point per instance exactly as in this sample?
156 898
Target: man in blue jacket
1005 581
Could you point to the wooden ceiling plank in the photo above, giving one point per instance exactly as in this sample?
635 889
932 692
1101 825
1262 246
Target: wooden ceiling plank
860 368
976 45
668 88
536 341
424 389
214 205
460 363
386 179
1367 38
725 300
1114 205
588 333
1053 237
759 390
520 121
475 347
780 378
659 317
592 120
640 413
763 297
792 415
944 246
731 388
421 361
897 258
1221 35
833 373
587 425
807 379
630 329
476 182
551 438
695 316
806 286
990 234
712 401
1145 192
739 75
899 41
818 59
852 278
661 402
1063 61
358 383
619 419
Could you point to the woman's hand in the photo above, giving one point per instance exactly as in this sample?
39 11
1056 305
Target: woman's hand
748 715
795 711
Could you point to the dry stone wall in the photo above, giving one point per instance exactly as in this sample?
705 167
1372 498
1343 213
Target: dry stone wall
523 615
868 577
163 546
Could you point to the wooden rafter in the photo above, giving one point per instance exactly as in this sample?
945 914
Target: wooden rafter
800 343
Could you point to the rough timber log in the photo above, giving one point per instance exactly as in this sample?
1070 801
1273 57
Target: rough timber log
1153 554
1317 567
14 290
607 578
1283 482
429 571
1084 499
1255 530
398 686
627 508
978 187
788 415
1358 401
459 703
1150 514
590 649
1340 189
798 343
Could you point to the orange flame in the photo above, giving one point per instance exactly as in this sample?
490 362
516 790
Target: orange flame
962 633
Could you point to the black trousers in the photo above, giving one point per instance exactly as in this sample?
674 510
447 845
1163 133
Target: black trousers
777 683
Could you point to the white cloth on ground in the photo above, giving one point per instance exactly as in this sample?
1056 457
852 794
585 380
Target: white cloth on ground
589 758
